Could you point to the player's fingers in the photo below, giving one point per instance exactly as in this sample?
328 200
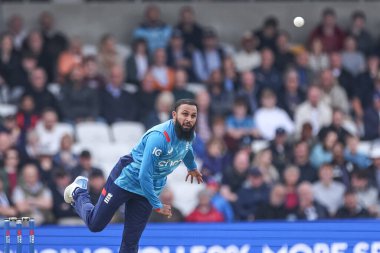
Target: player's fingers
187 177
192 179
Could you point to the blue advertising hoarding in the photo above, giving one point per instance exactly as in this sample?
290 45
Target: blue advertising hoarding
258 237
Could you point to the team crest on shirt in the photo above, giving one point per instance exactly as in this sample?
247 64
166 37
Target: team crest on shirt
170 150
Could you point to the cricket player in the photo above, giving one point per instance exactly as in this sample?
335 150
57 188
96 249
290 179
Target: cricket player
138 178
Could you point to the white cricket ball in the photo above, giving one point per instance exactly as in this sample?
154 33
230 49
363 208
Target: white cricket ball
299 21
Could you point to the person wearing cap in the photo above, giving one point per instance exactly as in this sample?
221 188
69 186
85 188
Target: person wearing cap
371 119
281 150
209 58
254 193
248 57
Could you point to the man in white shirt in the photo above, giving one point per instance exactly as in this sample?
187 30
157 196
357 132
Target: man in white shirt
248 58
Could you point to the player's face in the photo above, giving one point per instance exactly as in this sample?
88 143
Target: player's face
186 116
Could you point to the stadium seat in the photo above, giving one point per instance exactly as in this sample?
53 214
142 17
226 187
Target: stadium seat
93 133
127 132
259 145
68 128
7 109
195 87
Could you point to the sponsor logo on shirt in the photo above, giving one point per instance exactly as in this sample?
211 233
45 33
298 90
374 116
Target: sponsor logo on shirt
169 163
157 152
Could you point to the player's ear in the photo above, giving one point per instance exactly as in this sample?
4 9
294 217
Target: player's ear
174 114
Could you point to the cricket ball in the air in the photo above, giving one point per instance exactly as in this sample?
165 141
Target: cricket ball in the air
299 21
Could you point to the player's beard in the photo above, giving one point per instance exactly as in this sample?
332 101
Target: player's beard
184 134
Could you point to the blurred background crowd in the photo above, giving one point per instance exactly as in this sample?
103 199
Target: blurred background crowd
285 131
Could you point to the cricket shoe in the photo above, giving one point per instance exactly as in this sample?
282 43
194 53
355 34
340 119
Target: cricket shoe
79 182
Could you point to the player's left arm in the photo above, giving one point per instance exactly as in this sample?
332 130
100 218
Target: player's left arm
192 171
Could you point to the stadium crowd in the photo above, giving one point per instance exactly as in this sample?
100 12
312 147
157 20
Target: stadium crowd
312 105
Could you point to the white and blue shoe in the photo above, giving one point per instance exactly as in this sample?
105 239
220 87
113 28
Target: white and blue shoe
79 182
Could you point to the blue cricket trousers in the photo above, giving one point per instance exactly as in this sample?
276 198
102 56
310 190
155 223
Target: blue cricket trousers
137 209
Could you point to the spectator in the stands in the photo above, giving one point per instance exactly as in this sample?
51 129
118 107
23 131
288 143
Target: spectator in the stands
153 29
344 78
43 98
352 59
178 56
5 143
10 61
114 99
31 148
359 32
331 35
336 125
231 77
192 32
221 100
301 160
10 124
108 54
167 198
220 203
341 168
264 163
180 86
248 57
137 64
92 77
205 211
55 41
209 58
249 90
374 169
267 34
66 158
146 97
96 182
313 110
309 208
234 176
371 119
204 117
291 93
21 79
26 116
9 172
69 58
63 213
267 76
164 76
215 161
281 150
6 207
275 208
163 109
291 178
283 56
15 26
352 154
318 59
367 194
322 151
84 167
49 132
253 194
351 209
305 73
270 117
79 102
32 198
328 192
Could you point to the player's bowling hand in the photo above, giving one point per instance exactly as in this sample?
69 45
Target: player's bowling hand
165 210
194 174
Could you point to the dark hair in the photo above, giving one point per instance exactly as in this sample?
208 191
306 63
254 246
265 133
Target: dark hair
186 101
349 191
358 14
328 12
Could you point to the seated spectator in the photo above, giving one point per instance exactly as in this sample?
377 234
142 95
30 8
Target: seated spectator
5 92
79 102
313 110
180 91
267 34
283 56
167 198
371 119
267 76
113 99
16 27
10 125
331 35
96 182
263 162
318 59
351 209
26 116
178 56
352 154
209 58
302 161
65 158
234 176
248 58
32 198
374 169
31 149
249 91
328 192
108 54
269 117
164 76
9 172
21 79
275 208
205 211
322 151
338 118
192 32
69 59
341 167
204 116
251 196
352 59
291 178
240 125
281 150
367 195
219 131
10 60
46 167
153 29
231 77
308 208
63 213
6 207
221 99
220 203
138 62
146 97
305 73
84 167
291 93
359 32
5 143
163 110
92 78
343 77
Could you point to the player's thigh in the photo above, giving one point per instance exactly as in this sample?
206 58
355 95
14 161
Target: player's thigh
137 212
